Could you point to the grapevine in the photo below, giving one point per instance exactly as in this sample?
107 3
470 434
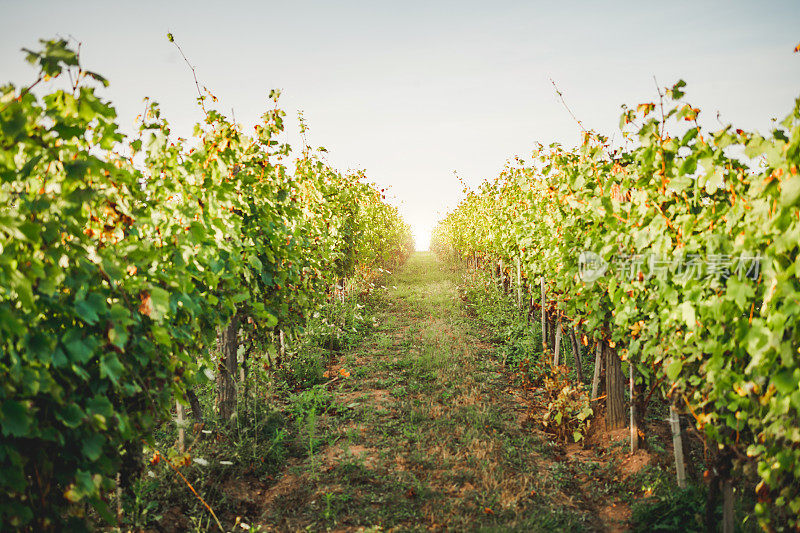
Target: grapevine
721 346
124 258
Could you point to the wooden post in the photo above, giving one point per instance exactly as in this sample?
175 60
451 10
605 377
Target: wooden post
677 446
576 352
519 282
194 403
634 428
615 390
227 347
502 277
727 507
598 362
282 346
179 421
557 347
544 320
118 492
244 384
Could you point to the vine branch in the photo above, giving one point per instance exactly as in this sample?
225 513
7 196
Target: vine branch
200 97
561 97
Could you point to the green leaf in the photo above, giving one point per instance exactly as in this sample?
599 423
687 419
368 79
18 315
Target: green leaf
676 93
78 348
680 183
24 289
93 446
255 263
59 358
14 124
790 191
76 170
111 367
786 381
98 77
240 297
161 335
272 321
87 310
159 299
674 369
71 415
688 314
739 291
714 181
16 421
100 405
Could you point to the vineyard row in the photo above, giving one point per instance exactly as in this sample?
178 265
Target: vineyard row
676 253
134 269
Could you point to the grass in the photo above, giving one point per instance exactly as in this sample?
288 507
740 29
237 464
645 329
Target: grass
434 442
430 430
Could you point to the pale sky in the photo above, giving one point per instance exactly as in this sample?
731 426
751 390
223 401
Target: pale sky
413 91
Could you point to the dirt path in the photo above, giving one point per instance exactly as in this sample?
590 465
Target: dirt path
426 432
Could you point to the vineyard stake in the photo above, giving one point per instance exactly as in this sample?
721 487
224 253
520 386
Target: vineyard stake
677 446
544 321
727 507
576 352
502 277
179 421
634 428
557 347
598 361
615 389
